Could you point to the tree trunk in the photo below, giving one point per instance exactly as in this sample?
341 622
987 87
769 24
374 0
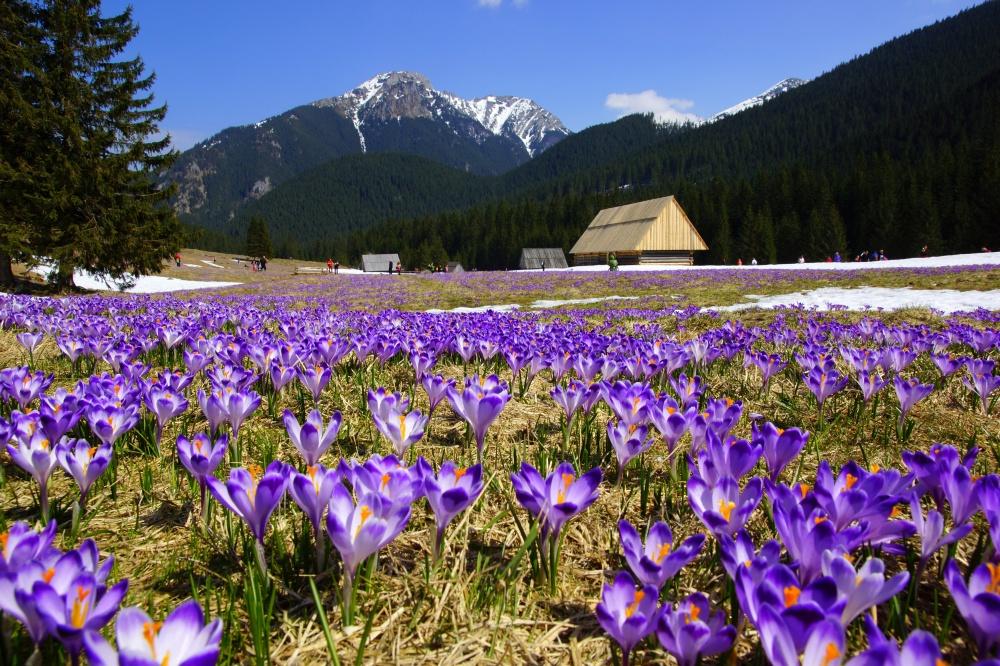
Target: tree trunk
6 271
64 276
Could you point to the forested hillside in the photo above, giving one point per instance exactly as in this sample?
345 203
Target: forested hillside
893 150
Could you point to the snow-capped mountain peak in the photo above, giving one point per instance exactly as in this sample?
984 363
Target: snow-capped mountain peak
396 95
777 89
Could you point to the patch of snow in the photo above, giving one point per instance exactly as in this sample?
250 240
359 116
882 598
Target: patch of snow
545 304
877 298
953 260
192 265
211 263
481 308
143 284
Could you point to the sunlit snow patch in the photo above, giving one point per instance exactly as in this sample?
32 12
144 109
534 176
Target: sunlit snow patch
876 298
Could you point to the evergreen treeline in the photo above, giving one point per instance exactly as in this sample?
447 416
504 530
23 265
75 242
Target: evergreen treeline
894 150
76 155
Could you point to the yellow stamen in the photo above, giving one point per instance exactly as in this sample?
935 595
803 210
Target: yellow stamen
831 654
78 614
459 473
819 519
803 489
662 553
792 595
849 482
994 585
49 575
631 608
567 480
692 614
726 508
402 426
875 468
366 513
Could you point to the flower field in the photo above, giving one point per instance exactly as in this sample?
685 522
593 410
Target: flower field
316 470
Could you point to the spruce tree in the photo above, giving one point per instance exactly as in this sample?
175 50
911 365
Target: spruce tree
258 238
105 212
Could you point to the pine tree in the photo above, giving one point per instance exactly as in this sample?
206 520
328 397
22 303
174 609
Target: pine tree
258 238
20 90
105 212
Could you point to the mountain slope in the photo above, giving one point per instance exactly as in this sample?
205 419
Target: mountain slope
894 149
771 93
393 112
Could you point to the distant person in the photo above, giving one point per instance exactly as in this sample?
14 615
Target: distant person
177 258
329 265
829 259
391 266
739 261
882 256
923 252
263 263
336 268
873 256
612 262
836 257
399 268
753 261
985 249
543 266
802 259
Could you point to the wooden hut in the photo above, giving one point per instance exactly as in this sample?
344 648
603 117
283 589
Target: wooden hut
532 258
378 263
657 231
454 267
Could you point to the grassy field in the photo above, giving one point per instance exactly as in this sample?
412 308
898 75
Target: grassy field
482 602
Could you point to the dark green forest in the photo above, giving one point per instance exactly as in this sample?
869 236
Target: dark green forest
893 150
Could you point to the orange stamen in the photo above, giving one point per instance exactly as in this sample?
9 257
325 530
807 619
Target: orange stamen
792 595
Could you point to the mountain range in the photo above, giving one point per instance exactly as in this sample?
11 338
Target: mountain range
895 148
394 112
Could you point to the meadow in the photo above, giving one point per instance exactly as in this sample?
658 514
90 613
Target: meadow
333 474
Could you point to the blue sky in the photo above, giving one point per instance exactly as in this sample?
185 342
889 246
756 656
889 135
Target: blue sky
221 63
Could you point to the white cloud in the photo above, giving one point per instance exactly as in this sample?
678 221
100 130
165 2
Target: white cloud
665 109
493 4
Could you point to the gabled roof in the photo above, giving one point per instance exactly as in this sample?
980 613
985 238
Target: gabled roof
532 257
378 263
655 225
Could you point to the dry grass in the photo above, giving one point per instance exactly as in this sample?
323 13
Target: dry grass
468 609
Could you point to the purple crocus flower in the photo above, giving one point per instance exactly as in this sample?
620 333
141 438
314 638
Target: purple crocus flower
691 630
824 383
860 589
312 492
387 477
359 529
820 643
30 340
239 405
931 530
315 378
628 441
626 614
870 384
780 446
312 438
570 398
722 507
83 462
200 456
961 492
59 413
211 405
656 562
422 362
280 375
982 381
165 403
402 429
381 402
86 606
909 392
437 388
978 602
21 544
24 386
989 501
555 499
769 365
109 423
668 418
919 649
947 364
36 456
630 402
182 639
253 494
449 492
480 403
732 458
688 389
739 551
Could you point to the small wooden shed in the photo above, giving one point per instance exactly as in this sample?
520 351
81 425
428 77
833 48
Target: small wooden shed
656 231
454 267
378 263
533 258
